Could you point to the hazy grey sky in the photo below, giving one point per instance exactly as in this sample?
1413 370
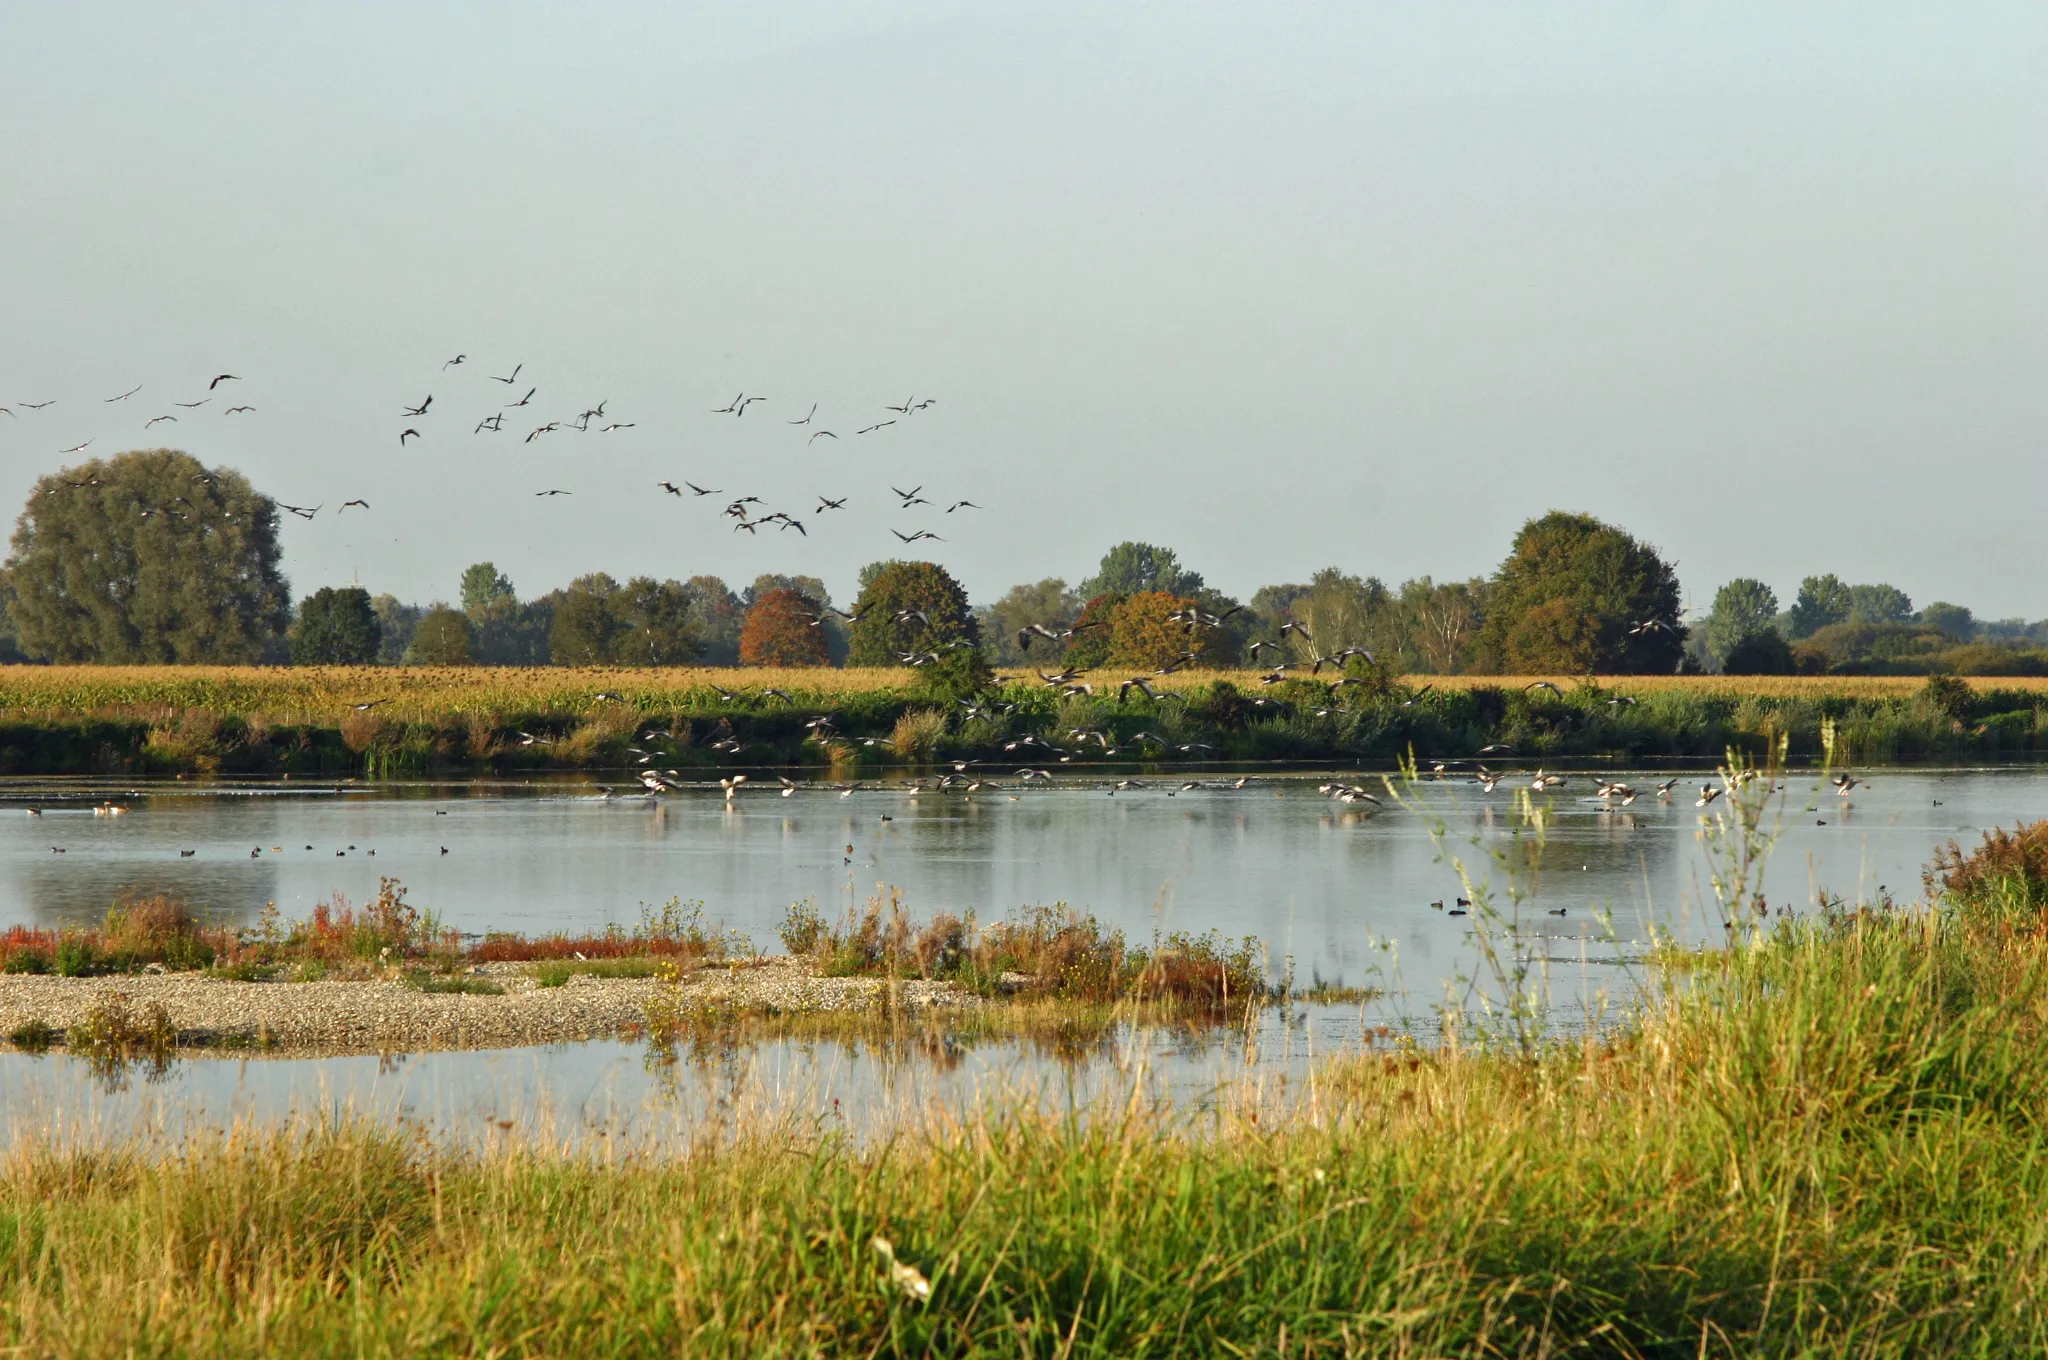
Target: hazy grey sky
1275 285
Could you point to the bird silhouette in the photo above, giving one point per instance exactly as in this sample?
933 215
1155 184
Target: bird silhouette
225 377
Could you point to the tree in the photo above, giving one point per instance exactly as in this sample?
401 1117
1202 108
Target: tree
715 614
147 557
1047 603
1343 611
442 638
781 631
1742 609
888 589
336 627
1879 604
1822 600
395 625
1442 620
1141 635
586 623
1093 632
1763 652
1952 621
482 584
655 624
1129 568
1576 595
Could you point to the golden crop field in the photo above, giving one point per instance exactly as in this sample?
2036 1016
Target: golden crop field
325 694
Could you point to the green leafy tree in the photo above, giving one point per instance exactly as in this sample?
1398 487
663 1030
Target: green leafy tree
716 614
442 638
1822 600
1047 603
1742 608
483 584
395 625
1576 595
1879 604
1952 621
655 624
147 557
1093 640
1131 567
888 589
336 626
587 625
1442 621
1763 652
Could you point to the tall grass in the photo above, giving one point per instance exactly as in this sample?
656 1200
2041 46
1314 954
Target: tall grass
1829 1142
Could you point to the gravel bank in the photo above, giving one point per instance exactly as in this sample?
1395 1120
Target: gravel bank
387 1016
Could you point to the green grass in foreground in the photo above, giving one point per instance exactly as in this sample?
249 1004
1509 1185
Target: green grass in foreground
1831 1142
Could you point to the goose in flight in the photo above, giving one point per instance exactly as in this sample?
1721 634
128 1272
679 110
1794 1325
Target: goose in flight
1648 626
961 505
77 448
456 360
554 493
154 419
225 377
125 395
237 410
1137 682
617 425
807 416
1544 684
907 496
745 404
508 381
38 405
1708 793
420 409
1292 627
825 504
921 533
301 511
670 487
702 491
548 428
820 434
408 434
346 504
192 405
492 423
523 400
872 428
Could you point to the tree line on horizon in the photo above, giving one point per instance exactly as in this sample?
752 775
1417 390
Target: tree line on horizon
101 572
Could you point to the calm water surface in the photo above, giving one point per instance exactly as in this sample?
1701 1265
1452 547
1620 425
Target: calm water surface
1345 895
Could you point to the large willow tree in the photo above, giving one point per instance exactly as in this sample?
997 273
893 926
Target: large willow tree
147 557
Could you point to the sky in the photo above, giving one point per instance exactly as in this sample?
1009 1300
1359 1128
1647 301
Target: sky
1279 286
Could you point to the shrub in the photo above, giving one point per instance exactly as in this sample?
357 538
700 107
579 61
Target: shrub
802 927
442 638
114 1028
435 985
1950 694
2018 858
75 957
918 734
34 1036
1760 653
27 960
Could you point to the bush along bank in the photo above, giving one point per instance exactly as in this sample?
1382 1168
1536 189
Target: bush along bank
1366 717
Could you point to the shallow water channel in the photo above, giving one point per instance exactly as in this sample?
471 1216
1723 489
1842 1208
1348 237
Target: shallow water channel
1344 893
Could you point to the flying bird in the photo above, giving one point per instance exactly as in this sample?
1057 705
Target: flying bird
523 400
807 416
491 423
745 404
872 428
921 533
237 410
225 377
670 487
154 419
961 505
301 511
38 405
545 429
75 448
905 408
192 405
816 435
554 493
824 505
420 409
125 395
346 504
408 434
703 491
626 425
507 381
456 360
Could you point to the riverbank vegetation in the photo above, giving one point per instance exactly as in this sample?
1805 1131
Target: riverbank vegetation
1828 1140
860 723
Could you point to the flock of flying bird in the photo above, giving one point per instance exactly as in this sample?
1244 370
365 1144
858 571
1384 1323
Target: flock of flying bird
418 424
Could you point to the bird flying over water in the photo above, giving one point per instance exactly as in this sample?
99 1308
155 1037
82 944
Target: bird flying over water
125 395
301 511
554 493
523 400
702 491
670 487
420 409
824 505
192 405
961 505
807 416
627 425
507 381
75 448
38 405
237 410
820 434
225 377
154 419
872 428
346 504
921 533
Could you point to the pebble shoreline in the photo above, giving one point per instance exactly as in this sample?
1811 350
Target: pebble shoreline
384 1016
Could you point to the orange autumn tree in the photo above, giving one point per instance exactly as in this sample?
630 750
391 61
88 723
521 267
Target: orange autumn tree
780 631
1141 634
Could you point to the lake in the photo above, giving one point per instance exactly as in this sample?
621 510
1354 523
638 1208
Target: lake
1344 892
